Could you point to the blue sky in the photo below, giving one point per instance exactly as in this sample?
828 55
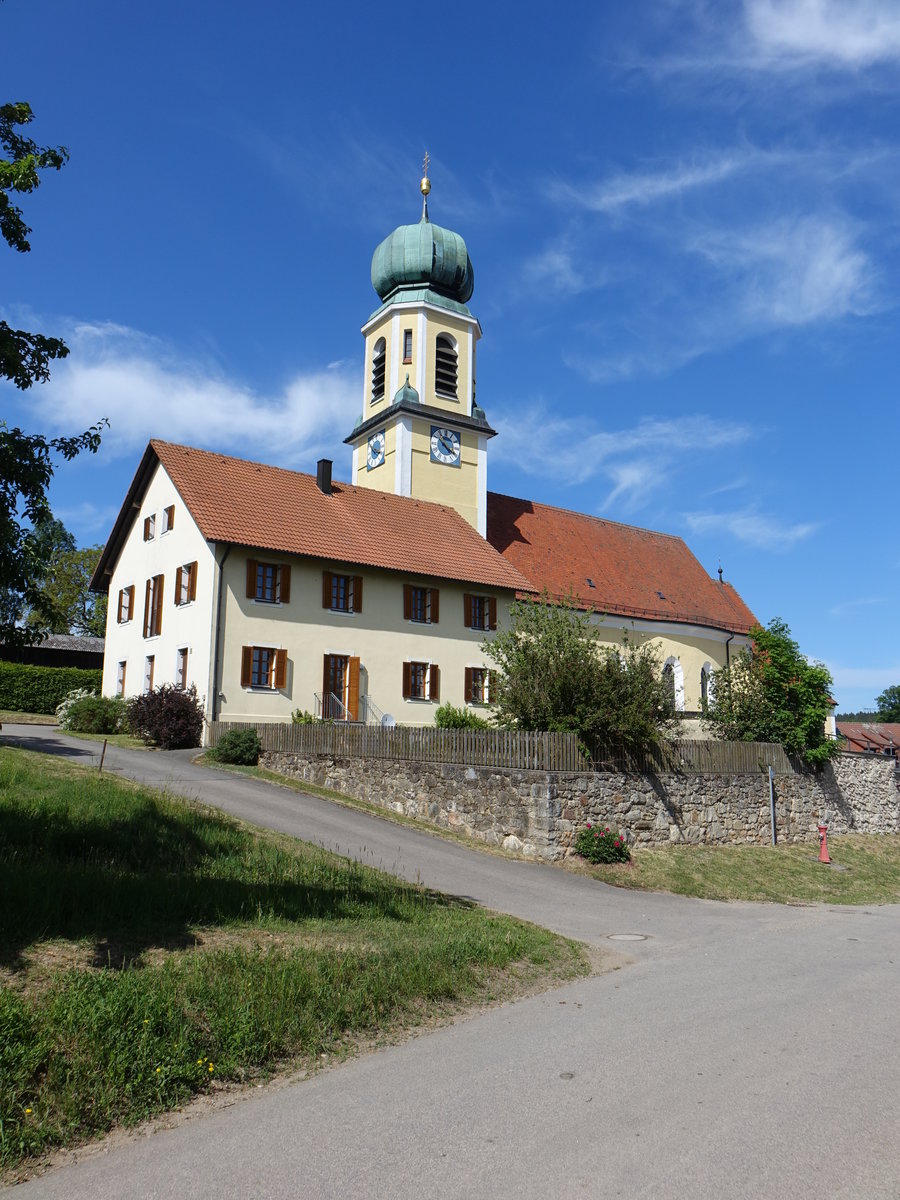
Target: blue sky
684 218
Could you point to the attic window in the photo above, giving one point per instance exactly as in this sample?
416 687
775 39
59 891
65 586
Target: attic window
661 596
378 363
445 367
591 583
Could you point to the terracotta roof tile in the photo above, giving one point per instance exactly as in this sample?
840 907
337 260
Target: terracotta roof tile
612 568
880 736
270 508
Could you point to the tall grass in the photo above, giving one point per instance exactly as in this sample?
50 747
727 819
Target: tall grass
150 948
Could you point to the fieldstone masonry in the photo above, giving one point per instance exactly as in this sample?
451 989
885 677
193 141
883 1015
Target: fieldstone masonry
538 814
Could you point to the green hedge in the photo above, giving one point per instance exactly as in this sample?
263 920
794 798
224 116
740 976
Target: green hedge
28 689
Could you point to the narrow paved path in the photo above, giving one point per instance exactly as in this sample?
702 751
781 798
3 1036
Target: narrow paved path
743 1051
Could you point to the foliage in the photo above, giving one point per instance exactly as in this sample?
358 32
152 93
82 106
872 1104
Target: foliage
301 717
26 460
168 717
93 714
183 948
600 845
30 689
239 746
554 676
772 693
889 704
66 604
865 717
448 716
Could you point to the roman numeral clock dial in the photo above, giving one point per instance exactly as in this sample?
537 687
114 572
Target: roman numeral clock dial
444 446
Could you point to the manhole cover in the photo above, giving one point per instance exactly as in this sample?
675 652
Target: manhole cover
627 937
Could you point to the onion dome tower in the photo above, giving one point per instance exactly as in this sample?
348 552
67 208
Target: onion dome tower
421 432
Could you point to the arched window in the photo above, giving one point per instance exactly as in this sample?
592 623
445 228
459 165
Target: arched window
673 674
445 366
378 354
705 685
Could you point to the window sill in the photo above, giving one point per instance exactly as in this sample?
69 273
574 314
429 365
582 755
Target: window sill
342 612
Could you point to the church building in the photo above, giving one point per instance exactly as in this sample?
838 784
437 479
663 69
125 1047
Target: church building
275 591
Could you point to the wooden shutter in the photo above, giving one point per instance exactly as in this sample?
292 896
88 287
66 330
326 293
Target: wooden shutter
192 582
326 589
492 613
434 682
356 606
178 574
280 668
284 585
147 613
467 611
468 685
146 529
158 585
433 607
406 683
246 665
407 605
170 517
251 578
353 689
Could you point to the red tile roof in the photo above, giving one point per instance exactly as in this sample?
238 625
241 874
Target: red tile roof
612 568
269 508
881 737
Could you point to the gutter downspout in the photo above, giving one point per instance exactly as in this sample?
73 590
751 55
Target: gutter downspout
214 707
728 642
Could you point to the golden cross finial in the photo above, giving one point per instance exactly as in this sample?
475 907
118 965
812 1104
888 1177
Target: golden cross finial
425 185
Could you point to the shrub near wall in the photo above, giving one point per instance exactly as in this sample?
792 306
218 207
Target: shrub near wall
28 689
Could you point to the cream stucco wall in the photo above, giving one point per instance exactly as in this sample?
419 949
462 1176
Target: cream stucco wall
183 626
378 636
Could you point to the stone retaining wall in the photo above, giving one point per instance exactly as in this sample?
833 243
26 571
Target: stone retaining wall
538 813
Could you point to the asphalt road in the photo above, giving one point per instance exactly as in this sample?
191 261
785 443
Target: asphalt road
741 1051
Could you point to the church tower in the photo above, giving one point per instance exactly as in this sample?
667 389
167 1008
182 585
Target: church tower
421 433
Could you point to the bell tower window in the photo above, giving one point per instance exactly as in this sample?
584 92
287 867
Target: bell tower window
378 364
445 370
407 345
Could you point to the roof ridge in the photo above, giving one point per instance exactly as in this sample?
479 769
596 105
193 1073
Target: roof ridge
589 517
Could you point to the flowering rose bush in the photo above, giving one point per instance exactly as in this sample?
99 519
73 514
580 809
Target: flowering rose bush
598 844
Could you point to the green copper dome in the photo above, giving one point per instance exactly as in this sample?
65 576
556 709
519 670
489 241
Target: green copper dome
423 255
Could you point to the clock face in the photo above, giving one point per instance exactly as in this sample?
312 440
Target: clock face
375 451
444 446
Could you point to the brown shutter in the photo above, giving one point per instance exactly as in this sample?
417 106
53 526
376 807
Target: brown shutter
407 606
129 603
468 684
170 517
492 613
406 685
251 578
178 574
147 613
467 611
284 585
246 665
159 582
192 582
326 589
357 593
434 682
281 668
353 689
146 529
434 608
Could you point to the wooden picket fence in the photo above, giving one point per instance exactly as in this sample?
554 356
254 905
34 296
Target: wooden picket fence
517 750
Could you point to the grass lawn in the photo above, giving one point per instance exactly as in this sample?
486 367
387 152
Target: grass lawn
151 949
17 718
785 874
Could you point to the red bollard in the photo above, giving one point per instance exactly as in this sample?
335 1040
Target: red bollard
823 844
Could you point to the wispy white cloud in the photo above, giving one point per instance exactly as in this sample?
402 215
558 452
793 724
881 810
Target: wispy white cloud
753 527
558 268
642 188
875 678
841 33
851 606
635 462
147 389
793 271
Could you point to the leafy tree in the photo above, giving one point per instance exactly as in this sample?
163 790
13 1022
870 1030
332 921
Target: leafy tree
67 605
554 675
889 704
26 459
772 693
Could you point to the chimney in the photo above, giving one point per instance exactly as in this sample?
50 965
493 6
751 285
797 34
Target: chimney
323 476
